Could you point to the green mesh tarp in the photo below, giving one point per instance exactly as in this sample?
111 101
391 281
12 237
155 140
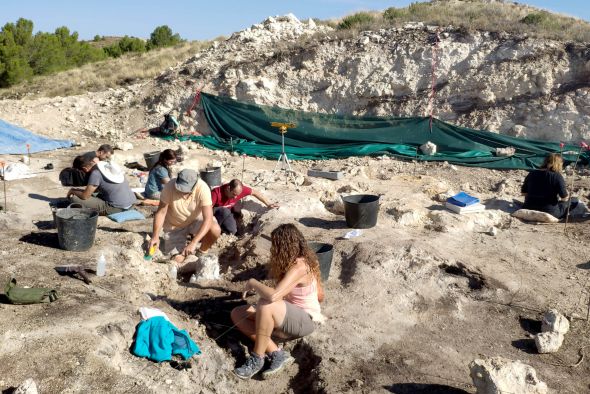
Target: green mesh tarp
246 128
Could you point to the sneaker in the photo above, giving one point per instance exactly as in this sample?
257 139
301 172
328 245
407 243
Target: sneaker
251 367
279 359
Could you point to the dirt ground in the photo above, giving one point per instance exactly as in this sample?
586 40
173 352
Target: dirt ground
410 303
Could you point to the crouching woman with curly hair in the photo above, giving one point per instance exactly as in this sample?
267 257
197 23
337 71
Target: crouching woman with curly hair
288 310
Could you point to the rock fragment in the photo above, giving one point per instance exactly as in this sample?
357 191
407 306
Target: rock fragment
498 375
555 321
548 342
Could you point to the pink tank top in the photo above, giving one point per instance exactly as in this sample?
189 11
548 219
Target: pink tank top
306 298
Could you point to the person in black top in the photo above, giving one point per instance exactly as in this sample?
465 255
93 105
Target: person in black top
545 190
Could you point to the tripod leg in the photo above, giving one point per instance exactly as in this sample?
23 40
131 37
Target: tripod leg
278 165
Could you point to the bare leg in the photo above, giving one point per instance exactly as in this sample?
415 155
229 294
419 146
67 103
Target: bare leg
247 320
269 315
244 317
210 238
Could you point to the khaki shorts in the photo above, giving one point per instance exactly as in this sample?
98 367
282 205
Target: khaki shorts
297 322
174 241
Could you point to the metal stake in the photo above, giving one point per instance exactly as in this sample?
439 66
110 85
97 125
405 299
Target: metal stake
4 183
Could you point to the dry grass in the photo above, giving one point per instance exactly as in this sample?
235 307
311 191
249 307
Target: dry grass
127 69
493 17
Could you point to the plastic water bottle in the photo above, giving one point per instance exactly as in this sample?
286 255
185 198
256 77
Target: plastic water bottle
101 266
173 272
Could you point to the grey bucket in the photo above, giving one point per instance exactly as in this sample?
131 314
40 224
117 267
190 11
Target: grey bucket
361 210
76 228
325 252
212 176
151 158
55 205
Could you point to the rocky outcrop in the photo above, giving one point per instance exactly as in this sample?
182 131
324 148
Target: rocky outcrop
528 87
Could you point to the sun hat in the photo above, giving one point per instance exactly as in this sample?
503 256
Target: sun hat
111 171
186 180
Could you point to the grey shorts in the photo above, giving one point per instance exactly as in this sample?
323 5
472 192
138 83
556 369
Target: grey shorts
297 322
174 241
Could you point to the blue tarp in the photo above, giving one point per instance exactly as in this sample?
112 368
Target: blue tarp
14 140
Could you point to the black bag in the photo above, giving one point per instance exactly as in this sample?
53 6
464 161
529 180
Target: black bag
73 177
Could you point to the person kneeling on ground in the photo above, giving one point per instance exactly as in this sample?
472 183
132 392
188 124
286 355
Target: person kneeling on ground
225 198
160 174
114 193
185 209
541 188
287 311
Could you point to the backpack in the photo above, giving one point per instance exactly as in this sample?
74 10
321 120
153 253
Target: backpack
73 177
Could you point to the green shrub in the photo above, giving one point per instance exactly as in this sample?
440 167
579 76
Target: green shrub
162 36
535 18
132 44
356 20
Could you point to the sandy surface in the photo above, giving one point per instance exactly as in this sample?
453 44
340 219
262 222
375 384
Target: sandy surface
409 304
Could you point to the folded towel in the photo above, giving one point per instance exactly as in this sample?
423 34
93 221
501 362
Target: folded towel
125 216
462 199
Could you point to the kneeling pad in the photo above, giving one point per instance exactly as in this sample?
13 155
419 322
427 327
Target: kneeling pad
125 216
535 216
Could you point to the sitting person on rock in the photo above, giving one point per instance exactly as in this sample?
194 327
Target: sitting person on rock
225 199
185 209
160 174
289 310
108 179
542 188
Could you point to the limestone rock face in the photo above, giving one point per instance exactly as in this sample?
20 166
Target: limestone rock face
511 84
498 375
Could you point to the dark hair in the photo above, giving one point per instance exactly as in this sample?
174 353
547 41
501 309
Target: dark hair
234 183
167 154
106 148
78 162
83 161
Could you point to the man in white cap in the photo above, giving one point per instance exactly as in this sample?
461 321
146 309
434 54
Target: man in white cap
114 193
185 209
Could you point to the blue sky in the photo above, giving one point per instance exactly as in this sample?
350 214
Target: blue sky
194 19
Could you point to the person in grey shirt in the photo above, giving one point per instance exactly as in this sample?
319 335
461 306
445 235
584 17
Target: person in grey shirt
114 193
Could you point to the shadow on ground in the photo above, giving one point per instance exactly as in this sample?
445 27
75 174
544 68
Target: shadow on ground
46 239
421 388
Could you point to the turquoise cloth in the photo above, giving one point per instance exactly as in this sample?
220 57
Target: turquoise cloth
125 216
157 339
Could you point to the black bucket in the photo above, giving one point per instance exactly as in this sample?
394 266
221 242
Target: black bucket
76 228
324 253
361 210
151 158
212 176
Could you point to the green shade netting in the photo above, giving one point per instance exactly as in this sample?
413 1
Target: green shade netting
246 128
